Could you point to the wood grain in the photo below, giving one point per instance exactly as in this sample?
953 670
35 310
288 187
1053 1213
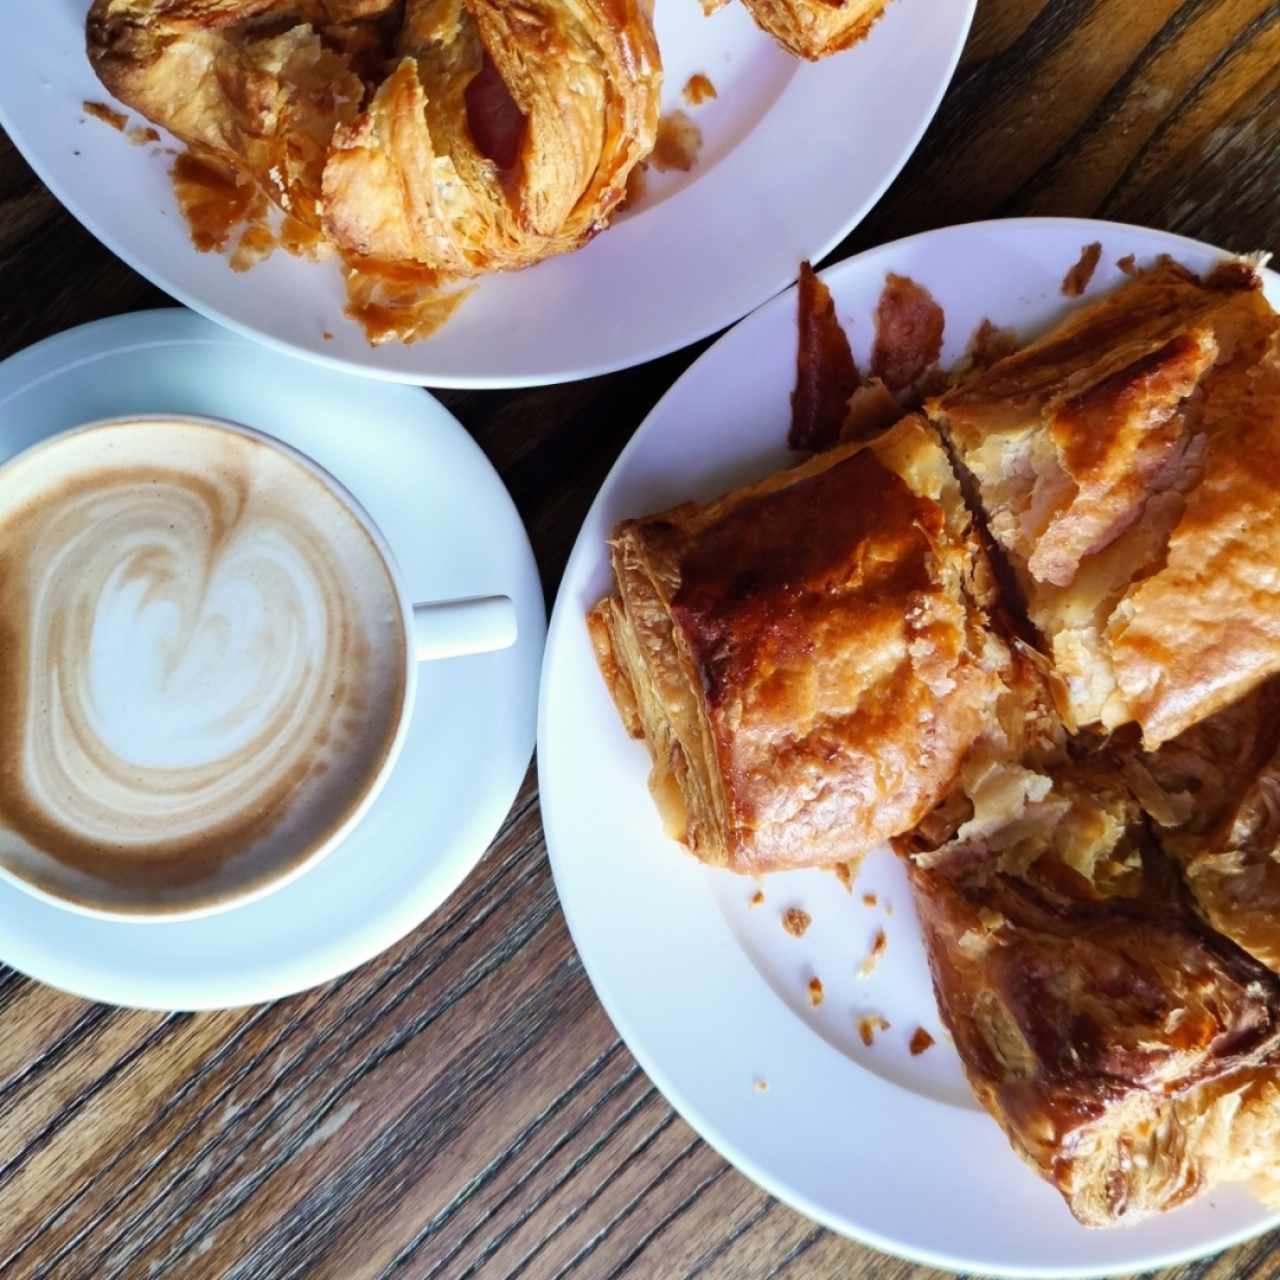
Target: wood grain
461 1107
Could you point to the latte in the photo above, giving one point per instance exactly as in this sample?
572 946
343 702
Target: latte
203 665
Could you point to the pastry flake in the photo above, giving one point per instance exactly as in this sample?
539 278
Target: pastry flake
808 657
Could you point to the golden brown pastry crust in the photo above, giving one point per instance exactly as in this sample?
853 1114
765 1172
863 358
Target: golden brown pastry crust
807 656
1129 1053
408 180
816 28
1213 794
498 136
251 82
1129 464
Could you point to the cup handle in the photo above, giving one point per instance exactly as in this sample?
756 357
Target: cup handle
453 628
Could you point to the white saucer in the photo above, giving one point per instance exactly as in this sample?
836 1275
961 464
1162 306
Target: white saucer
710 994
793 155
455 532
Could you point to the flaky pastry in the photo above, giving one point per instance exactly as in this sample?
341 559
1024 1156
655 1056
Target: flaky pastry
815 28
504 135
1130 1053
1129 464
1214 796
464 137
807 658
254 83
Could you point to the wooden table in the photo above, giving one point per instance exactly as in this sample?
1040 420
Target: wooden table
461 1106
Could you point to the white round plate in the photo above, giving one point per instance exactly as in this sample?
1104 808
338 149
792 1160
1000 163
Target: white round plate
709 993
455 533
793 155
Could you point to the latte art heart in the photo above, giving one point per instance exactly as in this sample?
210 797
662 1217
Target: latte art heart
202 661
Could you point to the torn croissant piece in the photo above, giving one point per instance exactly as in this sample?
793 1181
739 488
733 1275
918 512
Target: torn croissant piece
1129 465
806 658
1214 794
504 135
251 82
815 28
1130 1053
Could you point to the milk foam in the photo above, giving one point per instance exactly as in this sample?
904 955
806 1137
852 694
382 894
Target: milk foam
203 667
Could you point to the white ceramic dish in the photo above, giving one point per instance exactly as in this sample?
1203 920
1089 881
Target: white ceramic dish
455 533
710 994
793 155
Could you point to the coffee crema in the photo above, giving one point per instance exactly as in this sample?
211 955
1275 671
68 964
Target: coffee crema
202 664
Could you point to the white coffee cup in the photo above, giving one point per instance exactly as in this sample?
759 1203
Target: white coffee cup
208 665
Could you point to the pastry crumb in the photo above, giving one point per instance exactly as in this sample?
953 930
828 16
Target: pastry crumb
796 921
142 135
888 908
845 875
677 145
327 336
100 111
1128 264
1076 281
756 899
878 946
920 1041
698 89
868 899
815 992
869 1025
762 1085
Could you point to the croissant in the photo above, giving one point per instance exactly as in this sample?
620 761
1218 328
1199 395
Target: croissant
250 82
815 28
502 135
1129 1052
505 134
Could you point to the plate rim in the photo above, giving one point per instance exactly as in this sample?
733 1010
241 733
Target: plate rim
562 614
496 382
50 358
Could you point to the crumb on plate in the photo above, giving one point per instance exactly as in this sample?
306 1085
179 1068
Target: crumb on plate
868 899
920 1041
796 921
844 875
108 115
756 899
677 145
1076 281
698 89
762 1085
878 946
869 1024
815 992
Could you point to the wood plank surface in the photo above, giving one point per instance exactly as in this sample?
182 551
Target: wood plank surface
461 1107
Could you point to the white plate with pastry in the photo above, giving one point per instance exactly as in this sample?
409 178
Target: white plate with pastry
1124 1030
470 736
724 209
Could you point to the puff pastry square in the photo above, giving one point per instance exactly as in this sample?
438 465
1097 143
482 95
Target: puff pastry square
808 658
1129 465
1129 1052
